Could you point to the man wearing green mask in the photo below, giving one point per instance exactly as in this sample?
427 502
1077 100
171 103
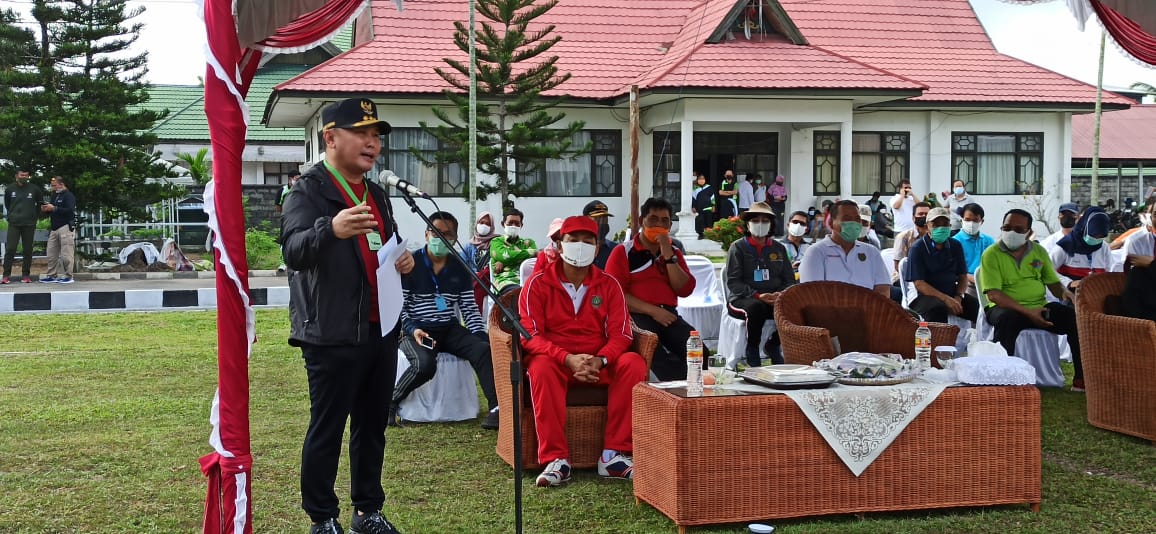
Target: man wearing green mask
937 267
841 257
434 294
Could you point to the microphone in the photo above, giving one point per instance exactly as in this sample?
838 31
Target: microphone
389 178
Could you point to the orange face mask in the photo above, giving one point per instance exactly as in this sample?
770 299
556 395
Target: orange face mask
651 233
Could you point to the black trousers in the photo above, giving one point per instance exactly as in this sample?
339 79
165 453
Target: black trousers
935 311
756 313
704 220
354 383
1009 323
454 339
19 234
669 361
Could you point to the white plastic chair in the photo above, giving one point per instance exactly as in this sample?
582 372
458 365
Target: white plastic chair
451 395
1119 256
703 308
1037 347
889 259
526 269
732 336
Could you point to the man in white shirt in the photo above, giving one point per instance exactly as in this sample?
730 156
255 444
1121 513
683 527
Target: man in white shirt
746 192
1141 244
1069 212
902 206
840 257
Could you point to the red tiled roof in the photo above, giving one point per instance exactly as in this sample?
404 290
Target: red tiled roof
608 45
940 43
1128 134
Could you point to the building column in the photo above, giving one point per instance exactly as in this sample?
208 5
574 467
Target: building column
845 132
685 215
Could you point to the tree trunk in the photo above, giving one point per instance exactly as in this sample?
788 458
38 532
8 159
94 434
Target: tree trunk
1095 185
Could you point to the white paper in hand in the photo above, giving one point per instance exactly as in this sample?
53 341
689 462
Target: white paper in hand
389 284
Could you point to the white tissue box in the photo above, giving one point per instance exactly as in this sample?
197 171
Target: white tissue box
994 371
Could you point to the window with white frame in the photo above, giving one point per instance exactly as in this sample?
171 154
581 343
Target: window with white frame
998 163
879 161
278 173
440 180
826 163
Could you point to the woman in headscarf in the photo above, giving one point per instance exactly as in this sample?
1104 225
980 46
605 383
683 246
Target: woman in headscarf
1083 252
478 251
552 250
777 196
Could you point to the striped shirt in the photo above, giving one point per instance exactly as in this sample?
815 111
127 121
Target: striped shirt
421 289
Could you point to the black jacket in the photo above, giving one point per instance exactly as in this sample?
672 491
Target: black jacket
743 259
329 293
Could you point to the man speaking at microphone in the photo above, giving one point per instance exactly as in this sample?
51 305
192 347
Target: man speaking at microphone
332 225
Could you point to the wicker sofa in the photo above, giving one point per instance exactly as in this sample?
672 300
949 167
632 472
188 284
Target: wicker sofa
809 315
1118 361
585 405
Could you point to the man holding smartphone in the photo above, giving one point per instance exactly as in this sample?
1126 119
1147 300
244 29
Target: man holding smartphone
903 207
434 294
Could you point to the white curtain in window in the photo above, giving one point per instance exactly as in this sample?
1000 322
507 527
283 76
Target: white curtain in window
864 174
406 165
996 168
566 177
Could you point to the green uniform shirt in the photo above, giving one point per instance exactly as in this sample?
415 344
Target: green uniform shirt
511 255
23 203
1024 282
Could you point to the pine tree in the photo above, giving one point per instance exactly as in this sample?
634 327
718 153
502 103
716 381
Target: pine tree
21 145
515 124
87 123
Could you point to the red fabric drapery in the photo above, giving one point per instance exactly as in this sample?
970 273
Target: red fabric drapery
228 504
1129 35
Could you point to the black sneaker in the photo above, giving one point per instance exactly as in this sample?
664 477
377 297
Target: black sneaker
371 523
491 420
329 526
392 418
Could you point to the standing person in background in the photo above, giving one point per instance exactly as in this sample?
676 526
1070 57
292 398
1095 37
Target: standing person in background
726 207
760 189
778 202
333 224
796 242
903 206
746 192
478 251
293 177
1069 212
597 210
61 209
702 203
22 201
954 201
507 253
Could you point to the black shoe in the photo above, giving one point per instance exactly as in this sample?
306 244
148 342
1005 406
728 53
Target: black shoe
329 526
393 419
491 420
773 349
371 523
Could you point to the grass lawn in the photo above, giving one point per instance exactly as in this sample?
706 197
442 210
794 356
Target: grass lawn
103 417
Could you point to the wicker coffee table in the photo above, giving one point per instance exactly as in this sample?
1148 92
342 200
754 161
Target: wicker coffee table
730 459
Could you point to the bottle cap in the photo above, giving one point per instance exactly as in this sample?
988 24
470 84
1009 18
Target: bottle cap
694 332
922 323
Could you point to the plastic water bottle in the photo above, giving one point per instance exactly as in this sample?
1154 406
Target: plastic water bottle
694 365
923 346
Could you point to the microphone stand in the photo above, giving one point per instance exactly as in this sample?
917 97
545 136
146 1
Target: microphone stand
518 333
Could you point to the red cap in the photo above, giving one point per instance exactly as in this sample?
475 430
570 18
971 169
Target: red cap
579 223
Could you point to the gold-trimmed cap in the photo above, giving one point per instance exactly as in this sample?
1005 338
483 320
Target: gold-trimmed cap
353 113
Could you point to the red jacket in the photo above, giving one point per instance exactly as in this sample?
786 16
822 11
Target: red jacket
600 327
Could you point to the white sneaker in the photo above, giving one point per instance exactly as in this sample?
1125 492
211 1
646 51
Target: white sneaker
619 466
555 474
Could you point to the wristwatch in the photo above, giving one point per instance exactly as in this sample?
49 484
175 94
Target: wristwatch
604 361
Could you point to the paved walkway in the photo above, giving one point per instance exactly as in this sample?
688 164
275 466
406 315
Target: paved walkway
160 292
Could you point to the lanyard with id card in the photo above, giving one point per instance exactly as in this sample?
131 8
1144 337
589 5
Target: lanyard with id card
439 300
762 275
373 237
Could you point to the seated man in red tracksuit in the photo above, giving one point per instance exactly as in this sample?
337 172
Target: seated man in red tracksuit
580 329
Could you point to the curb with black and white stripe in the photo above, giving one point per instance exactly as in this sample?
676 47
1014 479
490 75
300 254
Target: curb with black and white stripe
133 300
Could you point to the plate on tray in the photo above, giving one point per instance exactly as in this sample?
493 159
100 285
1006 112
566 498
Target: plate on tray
810 384
881 381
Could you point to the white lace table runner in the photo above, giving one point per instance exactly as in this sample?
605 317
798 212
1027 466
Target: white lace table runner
859 423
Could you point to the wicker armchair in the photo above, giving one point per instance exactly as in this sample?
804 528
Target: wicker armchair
809 314
585 405
1118 361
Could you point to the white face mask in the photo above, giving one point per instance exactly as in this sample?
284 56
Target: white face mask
797 229
512 231
1013 240
759 229
971 227
578 254
1146 220
483 229
864 231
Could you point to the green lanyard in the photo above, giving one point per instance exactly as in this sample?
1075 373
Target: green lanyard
345 184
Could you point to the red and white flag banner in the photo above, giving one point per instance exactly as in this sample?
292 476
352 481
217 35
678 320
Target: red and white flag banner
1130 23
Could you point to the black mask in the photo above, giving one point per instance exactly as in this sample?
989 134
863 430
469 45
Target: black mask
1068 221
603 231
921 221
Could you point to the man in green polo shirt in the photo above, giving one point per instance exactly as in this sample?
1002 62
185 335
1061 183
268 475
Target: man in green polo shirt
1013 274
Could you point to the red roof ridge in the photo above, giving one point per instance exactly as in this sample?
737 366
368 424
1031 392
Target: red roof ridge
685 57
872 67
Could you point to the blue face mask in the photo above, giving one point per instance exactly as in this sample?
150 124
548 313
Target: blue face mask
437 247
958 191
1093 241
